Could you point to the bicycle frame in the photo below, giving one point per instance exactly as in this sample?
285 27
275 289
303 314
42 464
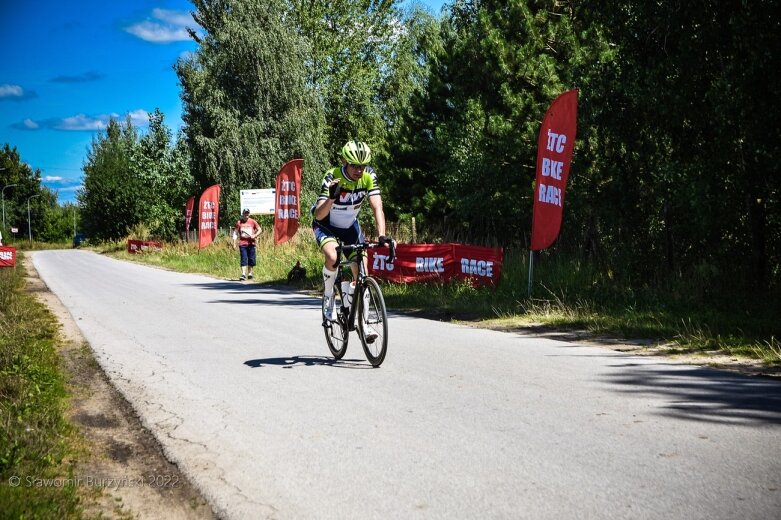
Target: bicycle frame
360 253
372 324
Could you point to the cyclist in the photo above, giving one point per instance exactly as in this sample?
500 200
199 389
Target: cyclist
344 189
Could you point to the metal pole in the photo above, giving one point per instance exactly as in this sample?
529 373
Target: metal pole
531 271
29 226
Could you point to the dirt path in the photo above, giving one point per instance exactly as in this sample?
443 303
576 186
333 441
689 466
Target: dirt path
123 472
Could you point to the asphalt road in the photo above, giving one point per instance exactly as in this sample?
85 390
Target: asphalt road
236 382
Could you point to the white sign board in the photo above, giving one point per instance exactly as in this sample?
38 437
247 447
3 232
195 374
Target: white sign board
259 202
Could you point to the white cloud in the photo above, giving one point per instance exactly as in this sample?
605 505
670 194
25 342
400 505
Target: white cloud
172 29
15 93
83 122
139 117
182 18
52 178
156 33
11 91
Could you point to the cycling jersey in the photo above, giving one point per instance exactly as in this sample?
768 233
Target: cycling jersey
344 211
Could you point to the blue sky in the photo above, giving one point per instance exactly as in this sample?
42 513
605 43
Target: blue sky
67 67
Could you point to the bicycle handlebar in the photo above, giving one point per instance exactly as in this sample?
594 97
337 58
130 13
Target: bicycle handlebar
349 248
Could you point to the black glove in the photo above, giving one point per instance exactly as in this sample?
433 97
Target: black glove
388 241
333 190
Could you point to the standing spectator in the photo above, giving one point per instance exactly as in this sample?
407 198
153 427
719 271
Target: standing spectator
246 231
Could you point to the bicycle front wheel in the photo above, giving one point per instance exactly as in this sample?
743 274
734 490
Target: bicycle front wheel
336 334
372 322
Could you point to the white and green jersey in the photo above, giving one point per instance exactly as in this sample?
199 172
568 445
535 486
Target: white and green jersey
344 211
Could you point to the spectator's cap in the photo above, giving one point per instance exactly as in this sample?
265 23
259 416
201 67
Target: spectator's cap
245 211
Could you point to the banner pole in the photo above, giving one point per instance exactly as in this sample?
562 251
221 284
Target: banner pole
531 271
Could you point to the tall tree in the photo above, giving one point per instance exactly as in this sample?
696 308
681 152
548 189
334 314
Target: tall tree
109 199
413 101
162 168
686 121
247 106
498 66
27 189
352 46
58 221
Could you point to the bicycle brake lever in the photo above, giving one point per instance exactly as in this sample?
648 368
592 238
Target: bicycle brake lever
392 247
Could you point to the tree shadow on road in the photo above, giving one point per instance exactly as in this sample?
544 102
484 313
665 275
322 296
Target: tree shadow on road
706 395
263 294
308 361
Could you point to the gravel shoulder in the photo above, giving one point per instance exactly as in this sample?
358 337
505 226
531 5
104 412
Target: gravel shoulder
123 471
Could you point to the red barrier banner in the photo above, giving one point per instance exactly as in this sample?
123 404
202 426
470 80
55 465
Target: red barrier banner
482 265
414 263
287 204
437 262
7 256
554 154
208 215
143 246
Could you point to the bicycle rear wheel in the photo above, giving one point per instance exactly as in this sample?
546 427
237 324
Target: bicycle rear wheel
372 322
336 334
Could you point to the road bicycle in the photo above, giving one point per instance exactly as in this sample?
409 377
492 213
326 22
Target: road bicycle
361 309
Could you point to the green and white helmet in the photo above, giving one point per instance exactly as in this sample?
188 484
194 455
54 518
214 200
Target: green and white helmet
357 152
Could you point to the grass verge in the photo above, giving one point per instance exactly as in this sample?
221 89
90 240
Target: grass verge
37 444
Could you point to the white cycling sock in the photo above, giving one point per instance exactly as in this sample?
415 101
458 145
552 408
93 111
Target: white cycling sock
329 277
365 305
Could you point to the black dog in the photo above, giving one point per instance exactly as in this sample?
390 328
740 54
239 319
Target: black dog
297 273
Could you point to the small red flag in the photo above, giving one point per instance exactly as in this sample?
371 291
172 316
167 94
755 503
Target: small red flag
208 215
554 154
287 205
188 213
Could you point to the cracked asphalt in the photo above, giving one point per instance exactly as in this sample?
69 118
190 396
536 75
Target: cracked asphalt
235 382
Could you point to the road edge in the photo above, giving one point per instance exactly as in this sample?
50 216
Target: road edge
138 479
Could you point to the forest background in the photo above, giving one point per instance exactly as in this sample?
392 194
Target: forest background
674 186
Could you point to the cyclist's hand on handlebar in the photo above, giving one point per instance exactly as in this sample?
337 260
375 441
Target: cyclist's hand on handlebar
333 189
388 241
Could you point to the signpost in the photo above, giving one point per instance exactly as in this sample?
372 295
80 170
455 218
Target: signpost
259 202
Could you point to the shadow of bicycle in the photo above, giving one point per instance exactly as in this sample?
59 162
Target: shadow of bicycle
307 361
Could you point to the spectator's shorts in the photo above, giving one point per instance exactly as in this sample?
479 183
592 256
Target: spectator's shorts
247 255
